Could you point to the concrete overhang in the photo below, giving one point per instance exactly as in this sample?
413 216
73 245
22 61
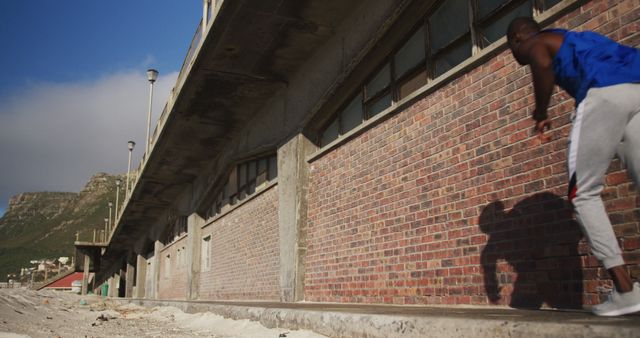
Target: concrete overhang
250 51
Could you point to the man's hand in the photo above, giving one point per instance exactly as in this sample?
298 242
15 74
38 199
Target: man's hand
541 127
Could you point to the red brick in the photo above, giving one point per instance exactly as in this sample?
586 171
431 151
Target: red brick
417 196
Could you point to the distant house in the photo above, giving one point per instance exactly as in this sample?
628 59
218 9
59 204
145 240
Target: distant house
65 282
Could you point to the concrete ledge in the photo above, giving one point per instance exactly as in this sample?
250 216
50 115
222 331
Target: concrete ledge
349 320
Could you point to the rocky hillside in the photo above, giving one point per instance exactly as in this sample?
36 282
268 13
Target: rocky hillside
43 224
30 209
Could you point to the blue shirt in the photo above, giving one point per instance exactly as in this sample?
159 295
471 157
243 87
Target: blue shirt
589 60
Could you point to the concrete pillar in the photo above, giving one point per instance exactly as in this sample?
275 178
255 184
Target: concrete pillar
114 281
129 279
111 286
155 282
293 177
141 276
85 274
194 243
122 278
116 285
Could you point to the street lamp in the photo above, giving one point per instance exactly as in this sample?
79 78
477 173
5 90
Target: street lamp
117 198
110 209
152 75
106 229
131 145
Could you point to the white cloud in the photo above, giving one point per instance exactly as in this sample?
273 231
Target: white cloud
54 136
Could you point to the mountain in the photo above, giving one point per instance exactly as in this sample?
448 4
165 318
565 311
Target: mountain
43 224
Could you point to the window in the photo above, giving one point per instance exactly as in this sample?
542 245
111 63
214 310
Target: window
448 35
409 62
450 38
331 132
550 3
175 230
493 17
205 257
411 53
243 181
351 116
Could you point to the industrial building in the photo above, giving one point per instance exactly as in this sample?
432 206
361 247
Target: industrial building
373 152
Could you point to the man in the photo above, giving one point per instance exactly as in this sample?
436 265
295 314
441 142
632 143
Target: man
604 78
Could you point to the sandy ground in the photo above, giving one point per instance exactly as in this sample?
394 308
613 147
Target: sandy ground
27 313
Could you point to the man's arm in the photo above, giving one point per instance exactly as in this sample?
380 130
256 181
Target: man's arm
543 83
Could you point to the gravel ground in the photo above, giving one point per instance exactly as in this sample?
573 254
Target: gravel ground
27 313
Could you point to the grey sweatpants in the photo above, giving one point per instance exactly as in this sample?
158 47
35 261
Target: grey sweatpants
606 121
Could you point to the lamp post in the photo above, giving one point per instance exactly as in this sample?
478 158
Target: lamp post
110 211
117 198
106 229
152 75
131 145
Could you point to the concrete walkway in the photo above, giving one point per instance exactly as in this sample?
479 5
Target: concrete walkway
348 320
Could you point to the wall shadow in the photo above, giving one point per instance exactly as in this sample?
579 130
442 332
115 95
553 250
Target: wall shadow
531 257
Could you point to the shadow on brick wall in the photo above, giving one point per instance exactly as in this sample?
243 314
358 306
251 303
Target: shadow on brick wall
531 257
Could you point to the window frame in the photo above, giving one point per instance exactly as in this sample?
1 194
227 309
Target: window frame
428 63
480 24
245 187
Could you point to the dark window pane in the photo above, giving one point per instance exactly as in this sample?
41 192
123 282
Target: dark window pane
379 82
233 182
273 167
262 166
412 84
487 6
410 54
497 28
448 22
379 105
550 3
351 116
242 175
262 171
252 170
330 134
453 57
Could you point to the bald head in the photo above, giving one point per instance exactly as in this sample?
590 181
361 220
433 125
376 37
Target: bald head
522 25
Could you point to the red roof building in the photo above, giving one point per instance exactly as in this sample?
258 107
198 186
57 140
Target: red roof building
64 283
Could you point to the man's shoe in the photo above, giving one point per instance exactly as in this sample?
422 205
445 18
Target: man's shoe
619 304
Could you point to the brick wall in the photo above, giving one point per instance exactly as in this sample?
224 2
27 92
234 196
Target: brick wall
174 285
452 201
245 252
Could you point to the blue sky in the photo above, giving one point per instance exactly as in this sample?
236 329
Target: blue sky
73 88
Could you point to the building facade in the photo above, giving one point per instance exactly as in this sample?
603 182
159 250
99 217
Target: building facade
366 152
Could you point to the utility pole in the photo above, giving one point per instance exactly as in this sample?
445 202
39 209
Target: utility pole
106 229
130 145
117 199
152 76
110 211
